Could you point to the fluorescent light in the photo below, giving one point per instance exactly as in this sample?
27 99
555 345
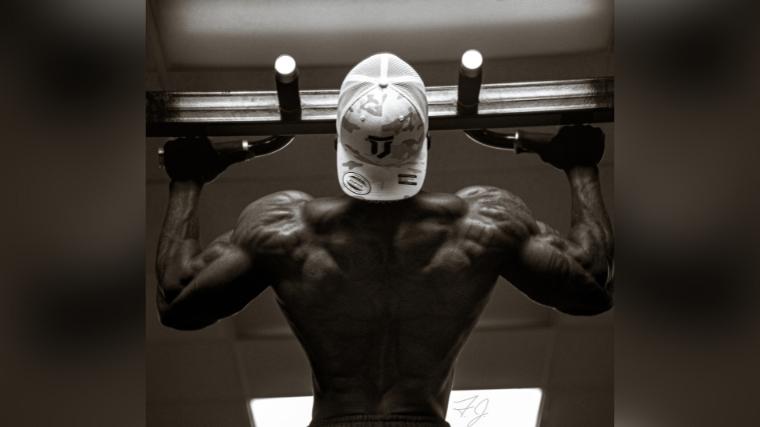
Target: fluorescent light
516 407
282 411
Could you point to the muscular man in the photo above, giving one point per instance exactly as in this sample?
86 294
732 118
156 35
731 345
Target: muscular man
382 286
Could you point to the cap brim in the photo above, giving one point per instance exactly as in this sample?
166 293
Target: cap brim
365 181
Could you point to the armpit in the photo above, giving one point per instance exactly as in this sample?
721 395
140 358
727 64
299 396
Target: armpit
273 224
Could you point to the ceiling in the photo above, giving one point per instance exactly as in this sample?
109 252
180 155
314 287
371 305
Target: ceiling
197 34
231 45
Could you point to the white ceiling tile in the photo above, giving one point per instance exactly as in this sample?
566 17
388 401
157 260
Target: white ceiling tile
236 33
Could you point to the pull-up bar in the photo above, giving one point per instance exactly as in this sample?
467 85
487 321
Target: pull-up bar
290 111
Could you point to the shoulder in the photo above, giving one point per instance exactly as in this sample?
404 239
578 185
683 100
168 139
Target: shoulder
492 201
273 223
496 214
442 207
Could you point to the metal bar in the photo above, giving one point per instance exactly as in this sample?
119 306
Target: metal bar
519 141
500 106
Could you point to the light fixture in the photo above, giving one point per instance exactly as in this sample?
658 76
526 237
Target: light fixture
472 59
281 411
285 66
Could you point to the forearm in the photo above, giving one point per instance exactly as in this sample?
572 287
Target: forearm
591 230
178 243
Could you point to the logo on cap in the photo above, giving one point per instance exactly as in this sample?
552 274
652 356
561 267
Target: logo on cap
376 140
356 183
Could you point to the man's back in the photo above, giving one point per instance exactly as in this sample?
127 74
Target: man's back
383 296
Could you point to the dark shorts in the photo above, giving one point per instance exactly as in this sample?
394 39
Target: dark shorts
381 421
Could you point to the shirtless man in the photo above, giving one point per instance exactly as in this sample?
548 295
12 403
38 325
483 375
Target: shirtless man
382 286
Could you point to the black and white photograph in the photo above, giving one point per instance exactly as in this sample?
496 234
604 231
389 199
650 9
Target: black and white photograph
379 213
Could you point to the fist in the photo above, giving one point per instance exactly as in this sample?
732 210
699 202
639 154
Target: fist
574 146
193 159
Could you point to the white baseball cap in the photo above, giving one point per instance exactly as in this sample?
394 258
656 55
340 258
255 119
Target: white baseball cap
382 127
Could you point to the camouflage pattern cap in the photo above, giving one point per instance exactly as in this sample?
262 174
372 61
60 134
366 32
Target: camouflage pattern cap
382 127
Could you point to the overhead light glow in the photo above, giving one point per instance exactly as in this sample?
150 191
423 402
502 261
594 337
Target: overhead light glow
285 64
515 407
282 411
472 59
507 407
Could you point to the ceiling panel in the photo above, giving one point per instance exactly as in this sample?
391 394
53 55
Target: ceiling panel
579 408
504 359
215 413
583 358
237 33
274 368
192 371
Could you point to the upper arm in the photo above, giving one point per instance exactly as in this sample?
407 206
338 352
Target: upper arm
559 273
545 266
234 268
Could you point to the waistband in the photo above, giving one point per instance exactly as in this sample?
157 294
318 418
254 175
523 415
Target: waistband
381 421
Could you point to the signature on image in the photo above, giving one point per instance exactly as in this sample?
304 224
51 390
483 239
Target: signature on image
479 408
